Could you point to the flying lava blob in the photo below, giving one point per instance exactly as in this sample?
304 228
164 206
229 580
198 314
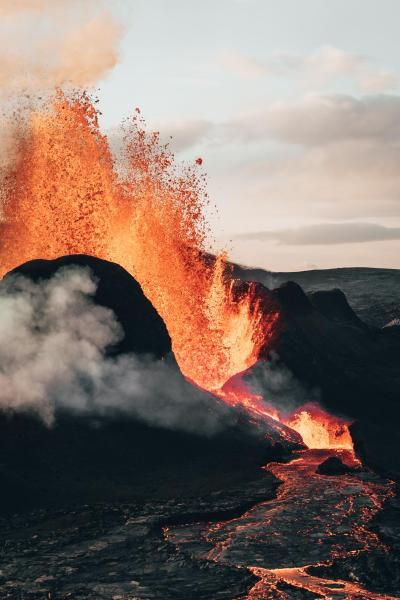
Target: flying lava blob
66 192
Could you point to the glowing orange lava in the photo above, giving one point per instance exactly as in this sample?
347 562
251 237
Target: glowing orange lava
317 428
66 193
320 429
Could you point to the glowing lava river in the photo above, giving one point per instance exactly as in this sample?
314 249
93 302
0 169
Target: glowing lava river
64 192
314 520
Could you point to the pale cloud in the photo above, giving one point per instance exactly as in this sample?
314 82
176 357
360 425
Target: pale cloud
184 134
300 168
44 44
318 120
10 7
245 66
343 180
330 61
312 121
327 234
322 67
337 158
380 81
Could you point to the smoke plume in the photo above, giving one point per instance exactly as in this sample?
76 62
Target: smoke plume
279 387
53 343
50 43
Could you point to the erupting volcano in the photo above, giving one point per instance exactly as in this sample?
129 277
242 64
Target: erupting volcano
174 424
67 193
138 210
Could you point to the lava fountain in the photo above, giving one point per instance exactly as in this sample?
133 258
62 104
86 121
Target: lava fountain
67 193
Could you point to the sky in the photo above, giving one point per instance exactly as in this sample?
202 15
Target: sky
294 106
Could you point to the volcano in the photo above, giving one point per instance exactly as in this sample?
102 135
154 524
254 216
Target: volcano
169 510
173 426
353 364
94 457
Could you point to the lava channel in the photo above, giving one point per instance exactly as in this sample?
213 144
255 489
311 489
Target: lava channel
313 521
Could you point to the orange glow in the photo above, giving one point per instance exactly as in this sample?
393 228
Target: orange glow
317 428
66 193
320 429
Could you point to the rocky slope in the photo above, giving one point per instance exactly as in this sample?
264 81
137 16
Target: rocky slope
350 367
374 294
116 456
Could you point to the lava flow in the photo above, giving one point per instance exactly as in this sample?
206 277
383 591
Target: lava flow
313 521
317 428
66 193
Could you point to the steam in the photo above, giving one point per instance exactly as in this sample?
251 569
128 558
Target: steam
393 323
279 387
10 7
74 45
53 342
48 44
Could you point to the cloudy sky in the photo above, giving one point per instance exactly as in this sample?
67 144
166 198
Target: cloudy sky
294 106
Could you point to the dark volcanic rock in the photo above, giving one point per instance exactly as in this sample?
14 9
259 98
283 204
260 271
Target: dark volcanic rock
354 368
90 459
333 304
374 294
333 466
99 552
340 357
116 457
144 330
377 443
292 298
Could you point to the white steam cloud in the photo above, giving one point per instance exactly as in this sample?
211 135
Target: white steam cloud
279 387
49 44
44 44
53 342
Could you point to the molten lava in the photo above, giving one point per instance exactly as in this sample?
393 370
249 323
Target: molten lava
313 521
317 428
320 429
66 193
